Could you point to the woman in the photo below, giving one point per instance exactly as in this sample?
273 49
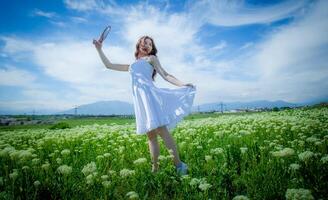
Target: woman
156 109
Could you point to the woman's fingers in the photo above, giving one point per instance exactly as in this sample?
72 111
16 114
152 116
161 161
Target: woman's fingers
97 43
190 84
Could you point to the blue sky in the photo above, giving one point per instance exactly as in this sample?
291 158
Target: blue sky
231 50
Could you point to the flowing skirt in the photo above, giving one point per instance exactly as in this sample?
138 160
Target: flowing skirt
155 107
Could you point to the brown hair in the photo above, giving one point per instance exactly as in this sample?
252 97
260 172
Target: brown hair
153 51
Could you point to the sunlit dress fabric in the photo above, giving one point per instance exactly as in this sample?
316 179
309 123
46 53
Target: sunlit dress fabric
153 106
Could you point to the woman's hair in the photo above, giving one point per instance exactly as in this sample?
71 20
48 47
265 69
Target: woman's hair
153 51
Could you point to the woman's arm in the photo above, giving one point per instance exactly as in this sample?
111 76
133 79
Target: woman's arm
166 76
107 63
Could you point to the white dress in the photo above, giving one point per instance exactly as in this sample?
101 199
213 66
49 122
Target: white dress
153 106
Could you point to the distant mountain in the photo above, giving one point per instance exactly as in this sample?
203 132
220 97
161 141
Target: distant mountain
124 108
103 108
244 105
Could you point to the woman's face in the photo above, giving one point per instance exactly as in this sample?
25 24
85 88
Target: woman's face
146 46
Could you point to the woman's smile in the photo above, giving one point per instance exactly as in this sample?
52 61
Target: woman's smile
146 46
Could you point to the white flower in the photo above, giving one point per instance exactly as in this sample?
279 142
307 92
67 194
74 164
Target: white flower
126 172
89 168
106 184
65 152
324 159
37 183
104 177
90 179
194 181
283 153
204 186
59 160
45 166
208 158
304 156
14 174
161 157
100 157
132 195
243 149
244 132
25 155
64 169
312 139
217 151
140 161
170 151
107 155
35 161
111 172
169 156
294 166
240 197
295 194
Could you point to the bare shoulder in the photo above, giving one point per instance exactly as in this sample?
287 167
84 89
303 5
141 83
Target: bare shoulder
153 59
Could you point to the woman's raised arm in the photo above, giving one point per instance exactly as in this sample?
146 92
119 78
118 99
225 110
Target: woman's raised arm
107 63
166 76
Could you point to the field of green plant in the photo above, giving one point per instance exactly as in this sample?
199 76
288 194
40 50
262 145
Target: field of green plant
268 155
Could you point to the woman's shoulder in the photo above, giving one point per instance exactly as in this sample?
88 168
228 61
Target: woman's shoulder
152 58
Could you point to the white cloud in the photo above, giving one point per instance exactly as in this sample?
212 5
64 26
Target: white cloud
12 76
38 12
220 46
79 19
246 45
82 5
293 59
236 13
260 71
14 45
37 104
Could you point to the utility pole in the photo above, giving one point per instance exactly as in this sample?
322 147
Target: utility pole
75 110
221 106
33 113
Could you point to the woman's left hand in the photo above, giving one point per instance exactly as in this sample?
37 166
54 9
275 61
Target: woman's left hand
190 84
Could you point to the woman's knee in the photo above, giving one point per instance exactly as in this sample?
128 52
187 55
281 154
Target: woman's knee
162 131
152 135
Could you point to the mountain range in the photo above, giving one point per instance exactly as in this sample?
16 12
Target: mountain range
125 108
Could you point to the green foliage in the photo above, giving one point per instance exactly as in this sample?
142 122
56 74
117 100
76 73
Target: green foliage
268 155
275 109
60 125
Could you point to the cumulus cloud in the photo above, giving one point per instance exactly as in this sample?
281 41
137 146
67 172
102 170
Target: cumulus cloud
292 60
287 59
236 13
12 76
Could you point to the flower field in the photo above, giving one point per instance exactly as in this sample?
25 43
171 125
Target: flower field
268 155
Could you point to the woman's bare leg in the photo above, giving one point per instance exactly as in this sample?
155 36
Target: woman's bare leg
169 143
154 148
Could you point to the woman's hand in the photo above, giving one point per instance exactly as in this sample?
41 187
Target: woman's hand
190 84
98 44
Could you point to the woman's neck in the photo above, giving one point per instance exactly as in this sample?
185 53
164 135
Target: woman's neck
142 55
